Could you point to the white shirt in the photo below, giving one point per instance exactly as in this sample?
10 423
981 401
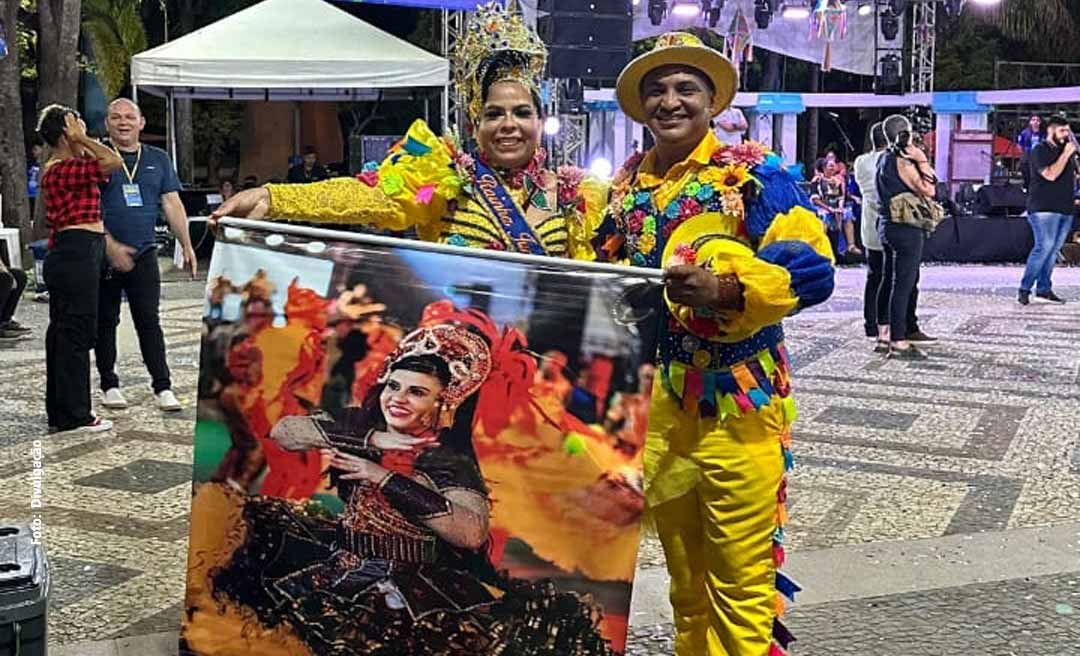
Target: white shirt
735 115
866 166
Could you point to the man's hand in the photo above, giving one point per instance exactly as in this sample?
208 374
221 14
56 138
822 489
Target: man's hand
250 203
1068 150
691 285
191 261
121 256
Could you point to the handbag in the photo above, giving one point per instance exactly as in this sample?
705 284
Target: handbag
916 211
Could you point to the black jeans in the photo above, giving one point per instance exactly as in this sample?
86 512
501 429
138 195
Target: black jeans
142 285
12 286
903 253
72 273
876 297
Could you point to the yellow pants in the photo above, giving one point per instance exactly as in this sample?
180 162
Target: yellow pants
718 535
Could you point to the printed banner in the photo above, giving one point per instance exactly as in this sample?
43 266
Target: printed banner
411 449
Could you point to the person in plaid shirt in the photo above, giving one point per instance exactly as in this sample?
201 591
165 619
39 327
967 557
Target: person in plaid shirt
77 248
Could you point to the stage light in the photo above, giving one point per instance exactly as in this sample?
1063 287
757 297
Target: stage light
552 125
954 7
889 81
796 11
685 9
637 2
762 14
657 11
601 167
711 10
890 25
866 8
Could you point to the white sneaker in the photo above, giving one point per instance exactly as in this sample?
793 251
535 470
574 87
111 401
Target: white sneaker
168 402
99 425
114 399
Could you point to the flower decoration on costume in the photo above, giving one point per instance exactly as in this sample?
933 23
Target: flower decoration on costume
570 178
749 154
497 46
370 178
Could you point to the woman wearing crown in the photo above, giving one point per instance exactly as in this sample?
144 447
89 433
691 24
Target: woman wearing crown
502 197
740 250
404 568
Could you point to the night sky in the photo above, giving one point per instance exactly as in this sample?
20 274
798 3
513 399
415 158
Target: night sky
399 21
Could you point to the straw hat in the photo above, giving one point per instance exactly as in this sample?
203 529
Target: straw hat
677 48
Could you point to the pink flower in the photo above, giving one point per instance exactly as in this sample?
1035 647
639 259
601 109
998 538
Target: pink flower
370 178
749 154
635 221
464 161
425 194
689 207
570 178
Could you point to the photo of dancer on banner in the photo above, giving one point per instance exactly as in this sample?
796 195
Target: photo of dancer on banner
413 450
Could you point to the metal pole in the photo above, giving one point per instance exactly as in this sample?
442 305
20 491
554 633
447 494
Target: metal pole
447 121
172 127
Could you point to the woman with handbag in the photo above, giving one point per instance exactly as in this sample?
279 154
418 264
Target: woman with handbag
906 183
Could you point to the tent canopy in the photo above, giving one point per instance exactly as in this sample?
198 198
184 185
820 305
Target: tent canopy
287 50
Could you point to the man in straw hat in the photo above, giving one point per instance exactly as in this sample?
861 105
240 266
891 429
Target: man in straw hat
741 250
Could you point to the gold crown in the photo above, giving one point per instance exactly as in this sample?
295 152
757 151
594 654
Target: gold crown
498 45
466 355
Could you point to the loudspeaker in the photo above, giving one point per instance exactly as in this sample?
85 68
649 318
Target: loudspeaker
1000 200
586 38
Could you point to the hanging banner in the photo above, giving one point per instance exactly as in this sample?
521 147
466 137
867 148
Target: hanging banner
414 449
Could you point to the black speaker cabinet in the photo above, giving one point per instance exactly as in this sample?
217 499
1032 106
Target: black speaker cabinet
586 38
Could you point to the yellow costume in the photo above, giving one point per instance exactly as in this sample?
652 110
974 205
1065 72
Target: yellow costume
719 429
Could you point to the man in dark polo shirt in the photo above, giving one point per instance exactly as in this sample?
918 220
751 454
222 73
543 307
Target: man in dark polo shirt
1050 207
131 201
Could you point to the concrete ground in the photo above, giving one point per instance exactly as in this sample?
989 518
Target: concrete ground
934 505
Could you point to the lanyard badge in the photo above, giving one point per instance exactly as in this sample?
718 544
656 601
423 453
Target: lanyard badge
132 193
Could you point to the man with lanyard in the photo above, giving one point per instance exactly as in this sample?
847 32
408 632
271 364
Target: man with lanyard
740 250
131 201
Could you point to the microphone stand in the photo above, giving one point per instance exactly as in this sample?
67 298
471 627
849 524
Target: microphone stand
847 142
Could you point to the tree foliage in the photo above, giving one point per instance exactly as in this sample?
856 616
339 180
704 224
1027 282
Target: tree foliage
116 32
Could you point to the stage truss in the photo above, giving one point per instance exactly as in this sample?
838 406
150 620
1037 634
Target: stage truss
923 45
453 114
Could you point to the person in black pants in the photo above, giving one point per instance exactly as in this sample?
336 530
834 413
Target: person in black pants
77 249
131 202
12 286
904 169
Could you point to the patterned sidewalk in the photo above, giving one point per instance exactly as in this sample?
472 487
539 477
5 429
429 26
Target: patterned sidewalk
979 440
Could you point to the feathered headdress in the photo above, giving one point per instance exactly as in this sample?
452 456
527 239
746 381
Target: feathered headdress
497 46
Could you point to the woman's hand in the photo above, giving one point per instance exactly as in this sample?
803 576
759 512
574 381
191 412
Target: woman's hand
75 129
250 203
356 468
121 256
389 441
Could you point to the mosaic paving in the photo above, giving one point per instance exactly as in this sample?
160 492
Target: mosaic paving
981 437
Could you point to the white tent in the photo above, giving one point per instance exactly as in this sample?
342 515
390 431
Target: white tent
286 50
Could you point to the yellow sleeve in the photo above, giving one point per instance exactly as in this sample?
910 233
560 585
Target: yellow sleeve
411 187
583 227
339 200
767 294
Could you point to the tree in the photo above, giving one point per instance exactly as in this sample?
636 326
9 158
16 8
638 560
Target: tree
16 210
116 32
58 42
1049 28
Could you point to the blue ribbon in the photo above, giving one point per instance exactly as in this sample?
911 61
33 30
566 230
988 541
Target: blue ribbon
506 212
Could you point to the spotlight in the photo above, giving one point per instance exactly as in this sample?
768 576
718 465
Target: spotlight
954 7
601 167
796 11
657 11
889 81
711 9
637 2
552 125
685 9
890 25
762 14
866 8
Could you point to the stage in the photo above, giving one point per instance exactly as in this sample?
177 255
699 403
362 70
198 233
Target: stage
980 239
